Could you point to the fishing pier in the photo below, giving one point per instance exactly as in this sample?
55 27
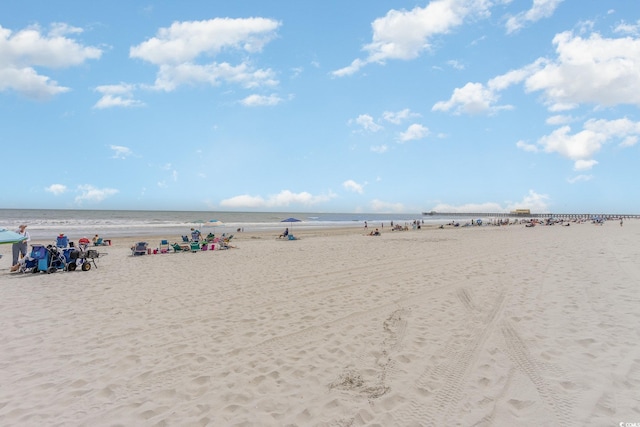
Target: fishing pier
522 214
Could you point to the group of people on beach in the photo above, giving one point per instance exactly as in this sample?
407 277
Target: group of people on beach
20 252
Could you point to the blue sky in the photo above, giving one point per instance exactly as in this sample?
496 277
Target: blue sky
321 106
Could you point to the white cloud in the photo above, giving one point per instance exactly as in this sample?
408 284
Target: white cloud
594 70
120 152
533 201
620 128
89 193
630 29
367 123
120 95
579 178
353 68
380 149
629 141
470 207
261 100
477 98
176 50
386 207
583 145
56 189
29 48
60 29
532 148
110 101
540 9
472 98
559 119
414 132
584 164
399 116
537 203
403 34
351 185
244 201
455 64
283 199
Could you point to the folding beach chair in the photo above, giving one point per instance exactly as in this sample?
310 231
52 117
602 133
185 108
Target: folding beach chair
140 248
177 248
164 246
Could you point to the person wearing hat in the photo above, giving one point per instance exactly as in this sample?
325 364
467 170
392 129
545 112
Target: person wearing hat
20 248
62 241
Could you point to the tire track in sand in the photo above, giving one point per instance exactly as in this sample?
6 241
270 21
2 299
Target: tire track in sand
560 407
443 383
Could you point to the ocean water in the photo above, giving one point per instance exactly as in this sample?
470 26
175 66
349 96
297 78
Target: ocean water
47 224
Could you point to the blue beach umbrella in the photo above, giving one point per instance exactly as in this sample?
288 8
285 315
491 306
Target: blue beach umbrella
291 220
7 236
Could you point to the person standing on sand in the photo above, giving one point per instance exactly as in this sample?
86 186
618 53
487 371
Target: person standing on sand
20 248
620 222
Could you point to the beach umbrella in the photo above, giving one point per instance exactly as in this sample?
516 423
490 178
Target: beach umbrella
7 236
291 220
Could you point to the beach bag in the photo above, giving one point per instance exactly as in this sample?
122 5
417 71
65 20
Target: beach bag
39 252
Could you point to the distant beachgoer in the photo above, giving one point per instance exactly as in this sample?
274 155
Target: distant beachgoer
95 240
83 242
365 224
620 222
285 234
20 249
62 241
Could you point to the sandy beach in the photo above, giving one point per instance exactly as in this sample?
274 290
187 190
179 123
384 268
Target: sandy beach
474 326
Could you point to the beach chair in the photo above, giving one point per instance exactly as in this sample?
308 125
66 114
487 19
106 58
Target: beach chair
164 246
99 242
62 241
140 248
177 248
41 255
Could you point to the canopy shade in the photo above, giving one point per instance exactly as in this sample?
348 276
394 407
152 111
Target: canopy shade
7 236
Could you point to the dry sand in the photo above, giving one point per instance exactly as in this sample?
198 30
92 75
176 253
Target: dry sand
478 326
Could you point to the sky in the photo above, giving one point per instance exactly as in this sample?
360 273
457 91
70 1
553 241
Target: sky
321 105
